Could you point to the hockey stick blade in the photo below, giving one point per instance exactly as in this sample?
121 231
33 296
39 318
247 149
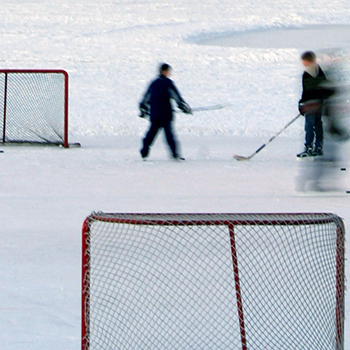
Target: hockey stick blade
240 158
268 142
211 108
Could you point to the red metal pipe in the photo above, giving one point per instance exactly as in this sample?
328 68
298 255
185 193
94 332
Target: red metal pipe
85 300
209 219
340 313
237 286
65 142
5 107
57 71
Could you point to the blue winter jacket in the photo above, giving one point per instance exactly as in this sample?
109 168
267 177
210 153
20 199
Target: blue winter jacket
158 96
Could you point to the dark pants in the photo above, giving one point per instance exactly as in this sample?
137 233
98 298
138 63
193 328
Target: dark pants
152 133
313 130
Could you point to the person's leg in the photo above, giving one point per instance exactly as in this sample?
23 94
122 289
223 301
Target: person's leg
318 131
169 134
149 138
309 130
309 137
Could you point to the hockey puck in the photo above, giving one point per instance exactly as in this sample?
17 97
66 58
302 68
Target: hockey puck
343 169
348 192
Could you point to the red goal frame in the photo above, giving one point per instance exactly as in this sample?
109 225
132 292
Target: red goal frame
42 71
230 220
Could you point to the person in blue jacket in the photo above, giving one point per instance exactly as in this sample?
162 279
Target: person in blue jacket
157 103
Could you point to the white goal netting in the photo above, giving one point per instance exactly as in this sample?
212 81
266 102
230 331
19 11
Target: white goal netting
33 107
213 281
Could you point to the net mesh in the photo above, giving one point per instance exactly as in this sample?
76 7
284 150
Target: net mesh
35 107
213 281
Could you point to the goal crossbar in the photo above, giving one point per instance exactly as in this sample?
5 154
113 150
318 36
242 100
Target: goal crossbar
216 219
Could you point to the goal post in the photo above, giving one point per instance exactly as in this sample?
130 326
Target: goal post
34 106
213 281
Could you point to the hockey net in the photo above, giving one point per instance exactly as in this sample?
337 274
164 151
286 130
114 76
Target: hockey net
34 106
213 281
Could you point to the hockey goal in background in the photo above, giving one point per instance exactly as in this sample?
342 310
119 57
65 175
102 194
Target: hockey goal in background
34 106
213 281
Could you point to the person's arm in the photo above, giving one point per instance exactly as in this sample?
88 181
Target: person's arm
304 90
145 103
327 86
301 105
175 94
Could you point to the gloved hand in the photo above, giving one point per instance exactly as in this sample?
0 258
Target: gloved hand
143 110
311 106
185 107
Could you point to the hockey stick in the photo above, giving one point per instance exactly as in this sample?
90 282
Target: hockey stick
201 109
237 157
211 108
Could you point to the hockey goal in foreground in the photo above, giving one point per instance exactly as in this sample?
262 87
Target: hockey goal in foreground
213 281
34 107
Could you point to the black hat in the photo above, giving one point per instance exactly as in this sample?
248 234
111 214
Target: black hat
308 56
164 67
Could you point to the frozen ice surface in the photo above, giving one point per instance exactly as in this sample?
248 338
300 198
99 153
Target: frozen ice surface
46 193
110 50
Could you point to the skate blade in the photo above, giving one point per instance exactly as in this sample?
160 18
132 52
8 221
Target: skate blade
305 159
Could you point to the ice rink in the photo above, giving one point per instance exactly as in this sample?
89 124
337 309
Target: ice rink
111 50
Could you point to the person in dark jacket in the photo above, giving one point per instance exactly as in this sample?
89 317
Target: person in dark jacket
311 105
157 103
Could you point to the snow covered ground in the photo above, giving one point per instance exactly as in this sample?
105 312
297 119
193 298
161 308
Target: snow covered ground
111 49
